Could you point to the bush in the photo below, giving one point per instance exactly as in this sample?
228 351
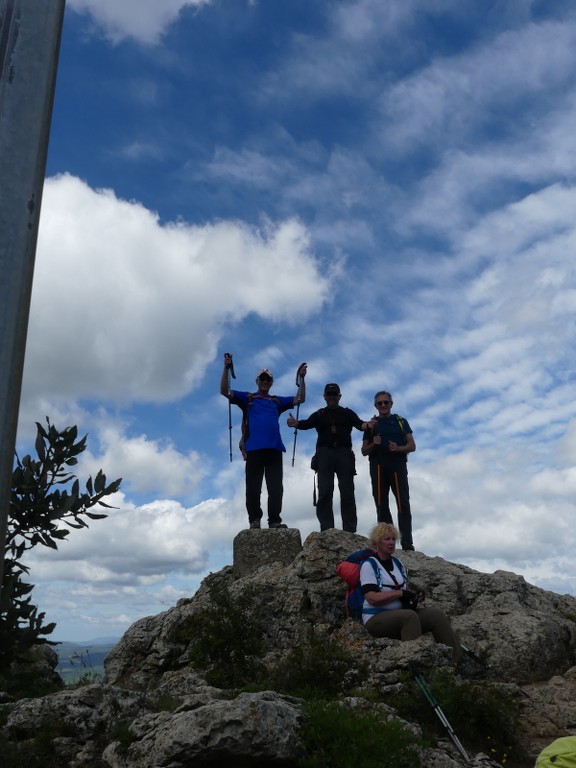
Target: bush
225 639
483 717
319 668
334 736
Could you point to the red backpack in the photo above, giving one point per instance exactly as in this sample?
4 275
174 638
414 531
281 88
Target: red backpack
349 571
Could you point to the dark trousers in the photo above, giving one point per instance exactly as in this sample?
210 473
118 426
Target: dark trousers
409 625
339 462
265 462
391 474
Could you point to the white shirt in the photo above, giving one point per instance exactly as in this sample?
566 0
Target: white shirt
385 581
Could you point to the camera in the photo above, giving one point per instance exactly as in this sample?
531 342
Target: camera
409 599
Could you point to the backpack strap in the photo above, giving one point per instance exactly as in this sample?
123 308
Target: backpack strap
401 567
400 421
379 582
373 609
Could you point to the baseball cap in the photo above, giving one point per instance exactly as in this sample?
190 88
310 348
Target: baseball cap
331 389
265 371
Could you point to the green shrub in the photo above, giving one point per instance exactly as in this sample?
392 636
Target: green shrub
89 677
225 638
38 752
166 703
483 717
26 683
121 734
335 736
319 668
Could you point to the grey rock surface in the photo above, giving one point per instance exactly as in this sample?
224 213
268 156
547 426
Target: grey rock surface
169 716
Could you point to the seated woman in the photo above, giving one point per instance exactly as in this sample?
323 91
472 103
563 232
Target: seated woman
387 594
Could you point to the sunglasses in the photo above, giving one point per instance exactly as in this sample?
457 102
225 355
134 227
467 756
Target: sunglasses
383 402
264 377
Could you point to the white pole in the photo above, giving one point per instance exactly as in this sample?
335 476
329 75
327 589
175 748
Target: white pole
30 32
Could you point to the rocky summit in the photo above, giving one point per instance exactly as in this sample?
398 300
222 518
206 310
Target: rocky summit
158 707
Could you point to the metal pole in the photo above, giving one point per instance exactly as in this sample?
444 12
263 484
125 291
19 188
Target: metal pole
30 33
413 667
231 375
298 384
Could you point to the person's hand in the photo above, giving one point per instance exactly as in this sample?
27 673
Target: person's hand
291 421
377 439
227 360
419 594
302 370
392 447
372 423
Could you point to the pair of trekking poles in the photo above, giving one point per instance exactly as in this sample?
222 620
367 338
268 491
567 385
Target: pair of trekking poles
421 682
231 374
379 492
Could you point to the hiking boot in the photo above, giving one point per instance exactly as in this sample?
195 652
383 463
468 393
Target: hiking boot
277 525
255 524
409 548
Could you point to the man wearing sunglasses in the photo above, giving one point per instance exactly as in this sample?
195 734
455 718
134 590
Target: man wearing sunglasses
334 456
387 445
261 442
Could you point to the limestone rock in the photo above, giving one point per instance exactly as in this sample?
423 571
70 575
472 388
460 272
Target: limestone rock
256 727
167 714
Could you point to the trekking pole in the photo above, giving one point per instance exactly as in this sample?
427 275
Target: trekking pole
474 657
379 486
298 384
397 494
233 375
417 675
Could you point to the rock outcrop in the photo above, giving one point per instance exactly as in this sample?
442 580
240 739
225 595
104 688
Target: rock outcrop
155 710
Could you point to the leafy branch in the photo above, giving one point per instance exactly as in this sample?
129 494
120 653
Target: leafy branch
46 502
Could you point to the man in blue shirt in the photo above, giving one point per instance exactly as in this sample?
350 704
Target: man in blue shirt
387 446
261 440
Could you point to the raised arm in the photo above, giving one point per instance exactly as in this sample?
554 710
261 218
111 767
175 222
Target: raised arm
300 396
225 380
363 426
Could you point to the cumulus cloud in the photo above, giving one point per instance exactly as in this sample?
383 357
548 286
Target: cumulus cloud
128 308
148 466
135 546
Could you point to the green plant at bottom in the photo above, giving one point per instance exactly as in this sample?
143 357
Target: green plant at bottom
483 717
38 752
335 736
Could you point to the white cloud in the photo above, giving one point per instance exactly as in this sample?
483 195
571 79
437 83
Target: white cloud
449 96
148 466
143 20
127 308
442 195
135 546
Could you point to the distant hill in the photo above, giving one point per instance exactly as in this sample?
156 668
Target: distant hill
83 661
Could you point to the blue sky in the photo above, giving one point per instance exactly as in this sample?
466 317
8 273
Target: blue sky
383 190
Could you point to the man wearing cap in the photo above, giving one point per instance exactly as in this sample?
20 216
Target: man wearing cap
334 456
261 441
